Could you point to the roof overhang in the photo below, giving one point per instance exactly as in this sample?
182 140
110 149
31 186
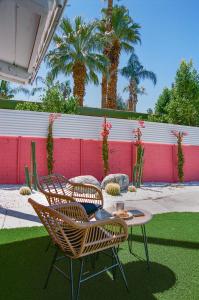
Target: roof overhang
26 29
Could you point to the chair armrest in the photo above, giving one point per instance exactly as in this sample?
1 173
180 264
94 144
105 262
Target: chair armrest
87 193
104 234
72 210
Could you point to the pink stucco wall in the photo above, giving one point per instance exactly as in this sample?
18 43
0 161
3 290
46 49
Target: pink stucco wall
79 157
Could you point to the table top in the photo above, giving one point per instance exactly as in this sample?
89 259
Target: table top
135 221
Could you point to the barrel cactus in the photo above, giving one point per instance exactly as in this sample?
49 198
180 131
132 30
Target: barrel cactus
25 190
113 189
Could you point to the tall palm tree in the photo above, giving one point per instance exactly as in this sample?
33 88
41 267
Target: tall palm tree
135 72
106 51
77 52
124 34
7 91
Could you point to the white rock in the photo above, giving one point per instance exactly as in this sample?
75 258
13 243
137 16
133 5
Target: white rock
121 179
86 179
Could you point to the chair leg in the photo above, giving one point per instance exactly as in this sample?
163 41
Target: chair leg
80 277
71 279
130 241
51 267
48 246
145 245
120 267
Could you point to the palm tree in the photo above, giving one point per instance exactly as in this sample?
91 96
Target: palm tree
106 51
77 53
7 91
135 72
124 33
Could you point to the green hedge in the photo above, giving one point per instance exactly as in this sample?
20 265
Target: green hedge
87 111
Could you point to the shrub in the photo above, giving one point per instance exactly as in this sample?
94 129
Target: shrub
31 106
24 190
132 188
113 189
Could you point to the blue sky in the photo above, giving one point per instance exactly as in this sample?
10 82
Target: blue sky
169 34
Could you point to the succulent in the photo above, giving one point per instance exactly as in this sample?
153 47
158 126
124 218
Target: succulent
113 189
24 190
132 188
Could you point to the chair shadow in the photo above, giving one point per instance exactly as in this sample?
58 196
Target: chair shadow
25 265
20 215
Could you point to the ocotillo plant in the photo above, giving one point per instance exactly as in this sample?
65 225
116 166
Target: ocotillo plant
138 167
106 127
180 136
31 176
50 142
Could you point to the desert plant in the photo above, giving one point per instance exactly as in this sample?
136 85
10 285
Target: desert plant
112 189
138 167
106 126
180 135
50 142
25 190
132 189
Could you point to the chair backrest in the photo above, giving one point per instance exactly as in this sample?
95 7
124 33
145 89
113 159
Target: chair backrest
65 232
56 184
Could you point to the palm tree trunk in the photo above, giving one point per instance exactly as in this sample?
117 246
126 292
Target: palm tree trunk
104 91
132 103
106 53
113 71
79 78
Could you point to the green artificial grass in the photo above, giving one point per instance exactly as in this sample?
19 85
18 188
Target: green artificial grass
174 253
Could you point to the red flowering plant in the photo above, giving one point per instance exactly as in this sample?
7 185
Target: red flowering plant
180 136
138 167
106 127
50 142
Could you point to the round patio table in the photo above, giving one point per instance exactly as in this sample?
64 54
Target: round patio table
135 221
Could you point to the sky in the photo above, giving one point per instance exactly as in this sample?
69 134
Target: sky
169 34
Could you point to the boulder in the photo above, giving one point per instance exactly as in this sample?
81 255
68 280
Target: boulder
121 179
86 179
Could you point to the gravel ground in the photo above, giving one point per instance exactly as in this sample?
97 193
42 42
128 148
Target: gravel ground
15 210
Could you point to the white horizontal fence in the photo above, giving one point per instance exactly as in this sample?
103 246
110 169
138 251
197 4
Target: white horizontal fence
29 123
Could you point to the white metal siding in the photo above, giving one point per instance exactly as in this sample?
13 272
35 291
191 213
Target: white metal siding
28 123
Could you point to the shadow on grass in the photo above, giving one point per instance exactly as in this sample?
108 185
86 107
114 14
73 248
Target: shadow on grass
24 266
167 242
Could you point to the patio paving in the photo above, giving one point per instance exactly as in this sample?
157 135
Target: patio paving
15 210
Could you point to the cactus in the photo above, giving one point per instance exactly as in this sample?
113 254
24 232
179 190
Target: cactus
25 190
27 176
113 189
138 169
34 164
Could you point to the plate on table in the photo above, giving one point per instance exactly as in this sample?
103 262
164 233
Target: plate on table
123 214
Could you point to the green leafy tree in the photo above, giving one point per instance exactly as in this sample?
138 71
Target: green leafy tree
163 100
180 105
77 53
135 72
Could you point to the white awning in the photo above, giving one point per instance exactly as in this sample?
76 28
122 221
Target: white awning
26 29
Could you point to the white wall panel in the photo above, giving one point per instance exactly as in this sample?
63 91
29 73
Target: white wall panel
25 123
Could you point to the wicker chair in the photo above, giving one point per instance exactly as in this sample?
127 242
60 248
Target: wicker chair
79 239
58 189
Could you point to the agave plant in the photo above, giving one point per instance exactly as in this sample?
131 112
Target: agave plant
124 34
77 52
135 72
